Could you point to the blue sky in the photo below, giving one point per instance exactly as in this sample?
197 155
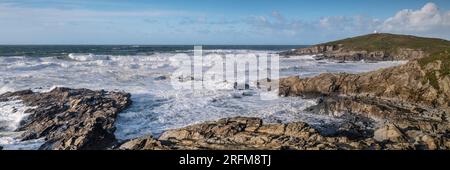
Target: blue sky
215 21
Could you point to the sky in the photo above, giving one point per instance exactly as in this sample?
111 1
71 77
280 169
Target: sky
221 22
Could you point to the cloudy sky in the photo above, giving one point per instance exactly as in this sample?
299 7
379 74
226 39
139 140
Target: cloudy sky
215 21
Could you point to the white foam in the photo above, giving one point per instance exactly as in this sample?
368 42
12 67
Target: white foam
87 57
11 114
10 141
157 106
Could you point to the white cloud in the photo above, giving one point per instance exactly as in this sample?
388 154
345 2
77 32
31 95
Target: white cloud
425 20
19 21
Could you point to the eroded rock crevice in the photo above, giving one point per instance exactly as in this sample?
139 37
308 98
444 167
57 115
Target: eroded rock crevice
240 133
70 119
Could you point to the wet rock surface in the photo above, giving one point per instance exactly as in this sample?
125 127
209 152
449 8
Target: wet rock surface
408 83
388 109
72 119
251 133
410 110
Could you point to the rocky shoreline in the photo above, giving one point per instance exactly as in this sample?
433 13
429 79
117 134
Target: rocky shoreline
70 119
411 100
402 107
392 108
244 133
82 119
374 47
340 53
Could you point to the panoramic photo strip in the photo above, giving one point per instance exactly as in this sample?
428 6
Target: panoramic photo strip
224 83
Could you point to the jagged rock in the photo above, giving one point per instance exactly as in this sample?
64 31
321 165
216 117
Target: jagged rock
163 77
340 53
429 142
404 95
71 118
236 133
388 132
395 83
415 97
251 133
143 143
372 47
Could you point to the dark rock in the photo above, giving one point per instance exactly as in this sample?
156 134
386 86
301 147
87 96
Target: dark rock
389 132
251 133
147 143
342 54
392 83
404 96
71 118
161 78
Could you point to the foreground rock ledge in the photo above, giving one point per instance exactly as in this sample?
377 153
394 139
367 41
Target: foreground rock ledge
71 118
241 133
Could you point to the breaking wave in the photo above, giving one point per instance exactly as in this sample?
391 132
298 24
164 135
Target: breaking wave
157 106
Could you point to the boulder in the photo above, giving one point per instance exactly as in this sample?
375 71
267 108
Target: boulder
429 142
143 143
244 133
388 132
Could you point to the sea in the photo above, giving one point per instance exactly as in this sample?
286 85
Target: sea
148 72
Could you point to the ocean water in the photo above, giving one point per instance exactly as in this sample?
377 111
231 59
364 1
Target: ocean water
147 73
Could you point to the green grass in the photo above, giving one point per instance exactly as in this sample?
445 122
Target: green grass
431 76
437 49
390 43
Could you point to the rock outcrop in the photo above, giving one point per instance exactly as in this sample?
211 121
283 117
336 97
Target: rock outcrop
388 132
409 83
411 103
375 47
70 119
340 53
240 133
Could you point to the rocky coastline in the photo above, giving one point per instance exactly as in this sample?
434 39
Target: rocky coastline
245 133
82 119
374 47
70 119
409 104
402 107
411 100
340 53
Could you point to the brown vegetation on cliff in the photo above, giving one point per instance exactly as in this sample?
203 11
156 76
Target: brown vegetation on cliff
375 47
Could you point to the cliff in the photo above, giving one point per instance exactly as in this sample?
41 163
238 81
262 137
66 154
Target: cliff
421 81
414 96
375 47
